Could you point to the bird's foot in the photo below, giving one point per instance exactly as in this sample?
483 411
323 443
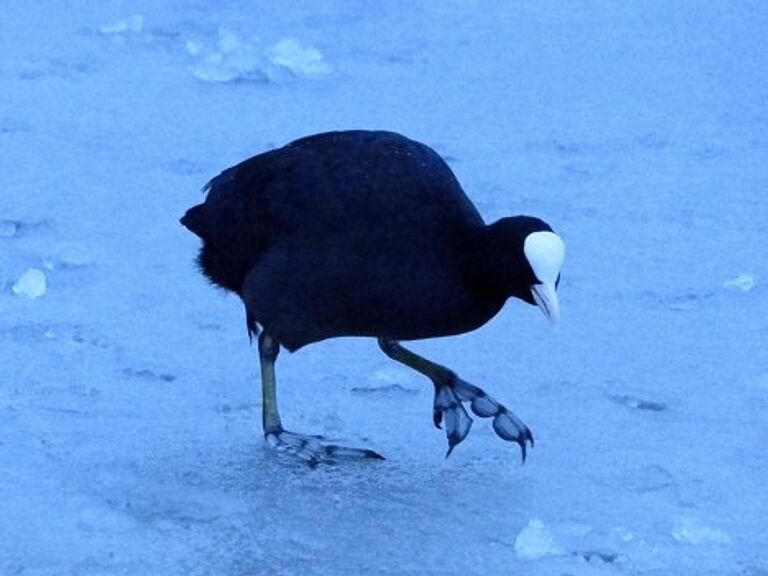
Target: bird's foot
449 398
315 450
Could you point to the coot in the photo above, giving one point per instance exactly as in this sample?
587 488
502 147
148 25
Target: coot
363 233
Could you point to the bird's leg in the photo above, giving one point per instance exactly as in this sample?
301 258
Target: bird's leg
311 449
451 392
270 417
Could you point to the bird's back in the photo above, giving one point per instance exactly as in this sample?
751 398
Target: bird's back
354 190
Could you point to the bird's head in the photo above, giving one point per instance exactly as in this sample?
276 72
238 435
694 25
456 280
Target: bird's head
545 251
521 257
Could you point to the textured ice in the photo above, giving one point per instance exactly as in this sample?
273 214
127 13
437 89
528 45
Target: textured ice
31 284
130 438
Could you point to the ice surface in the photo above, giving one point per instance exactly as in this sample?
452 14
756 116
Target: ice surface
130 437
31 284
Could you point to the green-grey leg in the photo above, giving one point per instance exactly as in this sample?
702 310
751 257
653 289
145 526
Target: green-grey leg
311 449
450 394
268 351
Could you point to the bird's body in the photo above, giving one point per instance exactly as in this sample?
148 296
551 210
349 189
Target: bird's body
335 252
358 234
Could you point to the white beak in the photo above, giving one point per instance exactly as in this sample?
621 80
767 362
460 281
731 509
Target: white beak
545 296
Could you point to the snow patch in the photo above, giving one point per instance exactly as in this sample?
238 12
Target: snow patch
237 60
536 541
760 383
8 228
741 283
133 24
302 61
101 518
388 375
637 403
233 59
68 255
649 479
19 228
31 284
576 539
394 389
693 531
387 381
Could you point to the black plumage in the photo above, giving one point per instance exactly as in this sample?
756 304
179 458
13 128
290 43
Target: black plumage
358 233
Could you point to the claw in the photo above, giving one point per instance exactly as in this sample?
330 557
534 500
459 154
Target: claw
444 399
510 428
437 418
437 413
457 426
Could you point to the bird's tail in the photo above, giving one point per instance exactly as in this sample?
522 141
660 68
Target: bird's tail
195 220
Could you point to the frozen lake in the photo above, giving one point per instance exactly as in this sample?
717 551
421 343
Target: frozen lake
130 414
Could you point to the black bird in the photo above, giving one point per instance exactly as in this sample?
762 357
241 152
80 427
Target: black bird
362 233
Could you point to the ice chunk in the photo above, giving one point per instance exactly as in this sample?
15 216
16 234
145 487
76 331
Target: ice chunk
229 41
193 47
742 283
538 540
68 255
648 478
8 228
535 541
394 389
761 382
233 60
31 284
692 531
637 403
19 228
134 23
213 69
391 375
624 534
289 54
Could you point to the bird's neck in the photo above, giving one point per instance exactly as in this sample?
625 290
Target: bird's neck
491 263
